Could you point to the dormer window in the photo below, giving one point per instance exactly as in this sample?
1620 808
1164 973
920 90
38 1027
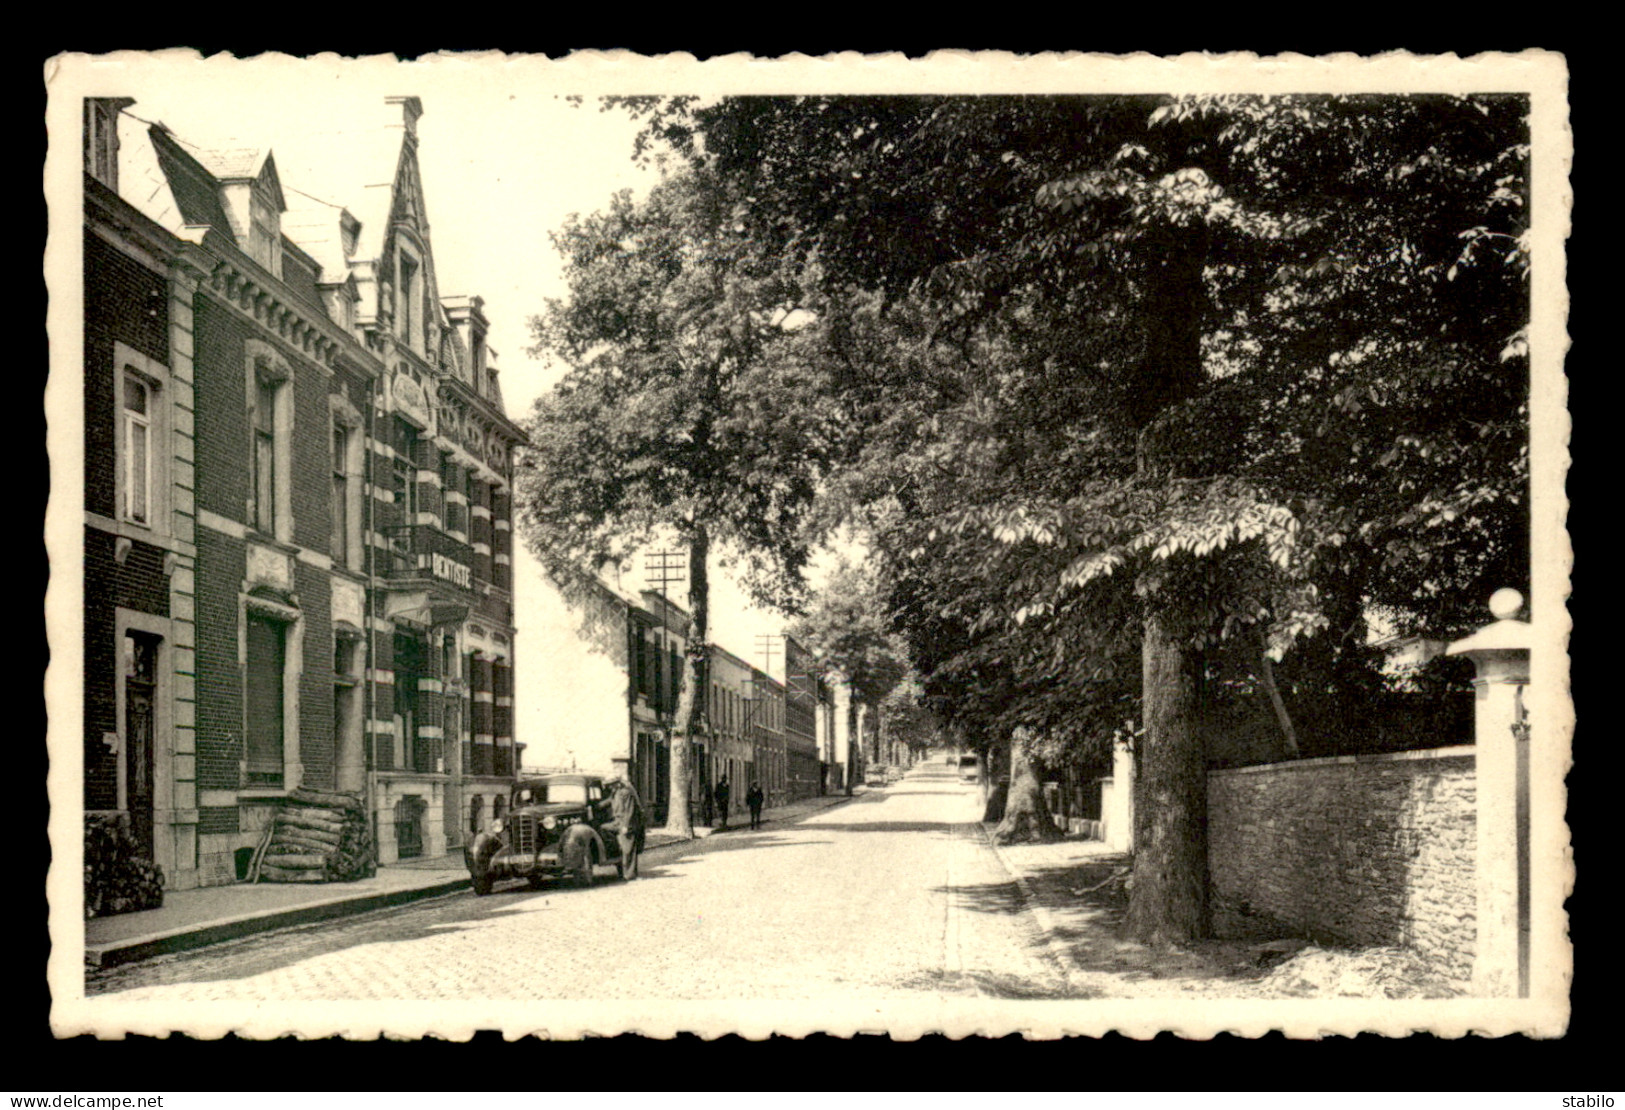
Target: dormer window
265 233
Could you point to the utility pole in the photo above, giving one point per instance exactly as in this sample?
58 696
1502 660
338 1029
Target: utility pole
662 568
767 646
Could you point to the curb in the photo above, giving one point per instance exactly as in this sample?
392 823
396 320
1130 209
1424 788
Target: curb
187 937
1047 924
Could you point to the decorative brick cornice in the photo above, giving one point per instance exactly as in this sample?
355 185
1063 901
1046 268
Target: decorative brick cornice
255 294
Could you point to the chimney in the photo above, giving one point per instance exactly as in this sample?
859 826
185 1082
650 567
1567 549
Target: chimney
101 137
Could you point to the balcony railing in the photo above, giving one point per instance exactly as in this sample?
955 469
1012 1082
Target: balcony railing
423 551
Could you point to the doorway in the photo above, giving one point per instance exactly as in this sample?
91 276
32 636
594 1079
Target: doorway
409 815
140 708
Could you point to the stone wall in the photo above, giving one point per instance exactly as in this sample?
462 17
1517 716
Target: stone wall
1362 850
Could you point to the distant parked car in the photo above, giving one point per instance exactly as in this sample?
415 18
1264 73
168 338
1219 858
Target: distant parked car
894 774
554 828
968 769
874 776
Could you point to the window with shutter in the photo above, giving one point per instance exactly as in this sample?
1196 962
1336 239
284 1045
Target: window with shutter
264 731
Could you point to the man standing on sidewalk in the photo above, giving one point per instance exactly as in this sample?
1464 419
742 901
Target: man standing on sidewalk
722 802
626 812
753 799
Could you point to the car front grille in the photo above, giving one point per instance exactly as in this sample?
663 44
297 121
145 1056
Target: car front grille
527 834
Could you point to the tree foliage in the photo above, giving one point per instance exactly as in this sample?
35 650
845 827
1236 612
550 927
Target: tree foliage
1202 374
689 410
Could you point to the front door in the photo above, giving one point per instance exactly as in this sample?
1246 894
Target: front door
409 827
140 694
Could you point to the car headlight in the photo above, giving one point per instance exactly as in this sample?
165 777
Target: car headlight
550 822
496 828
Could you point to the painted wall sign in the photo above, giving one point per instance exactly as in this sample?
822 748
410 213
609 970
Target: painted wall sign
451 571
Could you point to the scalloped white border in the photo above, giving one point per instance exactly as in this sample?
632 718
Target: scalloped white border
1541 74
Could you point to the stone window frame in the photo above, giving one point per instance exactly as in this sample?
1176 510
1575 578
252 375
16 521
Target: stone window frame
293 665
346 415
155 376
264 363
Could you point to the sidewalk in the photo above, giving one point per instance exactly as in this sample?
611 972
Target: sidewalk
210 915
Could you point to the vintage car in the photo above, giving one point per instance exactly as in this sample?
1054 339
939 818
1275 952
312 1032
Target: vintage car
969 769
554 828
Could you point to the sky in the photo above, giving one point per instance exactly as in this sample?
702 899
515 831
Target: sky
506 156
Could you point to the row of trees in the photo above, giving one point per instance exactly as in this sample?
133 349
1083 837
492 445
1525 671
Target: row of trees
1131 402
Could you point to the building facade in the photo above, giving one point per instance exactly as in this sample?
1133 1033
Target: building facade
800 721
659 636
298 553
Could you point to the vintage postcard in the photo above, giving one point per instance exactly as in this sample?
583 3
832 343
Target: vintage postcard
975 544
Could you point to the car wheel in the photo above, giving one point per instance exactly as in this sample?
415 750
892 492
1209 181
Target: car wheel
536 882
480 879
584 872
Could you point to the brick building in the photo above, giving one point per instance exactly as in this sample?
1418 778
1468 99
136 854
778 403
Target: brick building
746 709
298 553
802 771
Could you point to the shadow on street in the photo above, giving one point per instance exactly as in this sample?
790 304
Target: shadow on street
1093 928
992 984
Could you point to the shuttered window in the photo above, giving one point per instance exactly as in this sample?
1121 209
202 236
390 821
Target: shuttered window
266 659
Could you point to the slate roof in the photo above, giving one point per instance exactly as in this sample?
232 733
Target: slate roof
350 171
233 164
316 226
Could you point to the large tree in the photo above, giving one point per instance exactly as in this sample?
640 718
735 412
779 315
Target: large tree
1298 323
689 414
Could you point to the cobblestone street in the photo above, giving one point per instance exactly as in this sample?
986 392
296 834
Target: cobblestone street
893 894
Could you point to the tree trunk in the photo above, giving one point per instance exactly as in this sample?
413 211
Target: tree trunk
854 753
1168 900
992 794
690 717
1027 817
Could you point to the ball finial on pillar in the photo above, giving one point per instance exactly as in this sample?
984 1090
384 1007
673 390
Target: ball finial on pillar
1505 604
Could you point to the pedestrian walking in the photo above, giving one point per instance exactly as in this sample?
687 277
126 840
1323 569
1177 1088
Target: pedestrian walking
722 802
626 814
753 799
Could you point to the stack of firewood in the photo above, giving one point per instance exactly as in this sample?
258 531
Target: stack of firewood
316 836
118 878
